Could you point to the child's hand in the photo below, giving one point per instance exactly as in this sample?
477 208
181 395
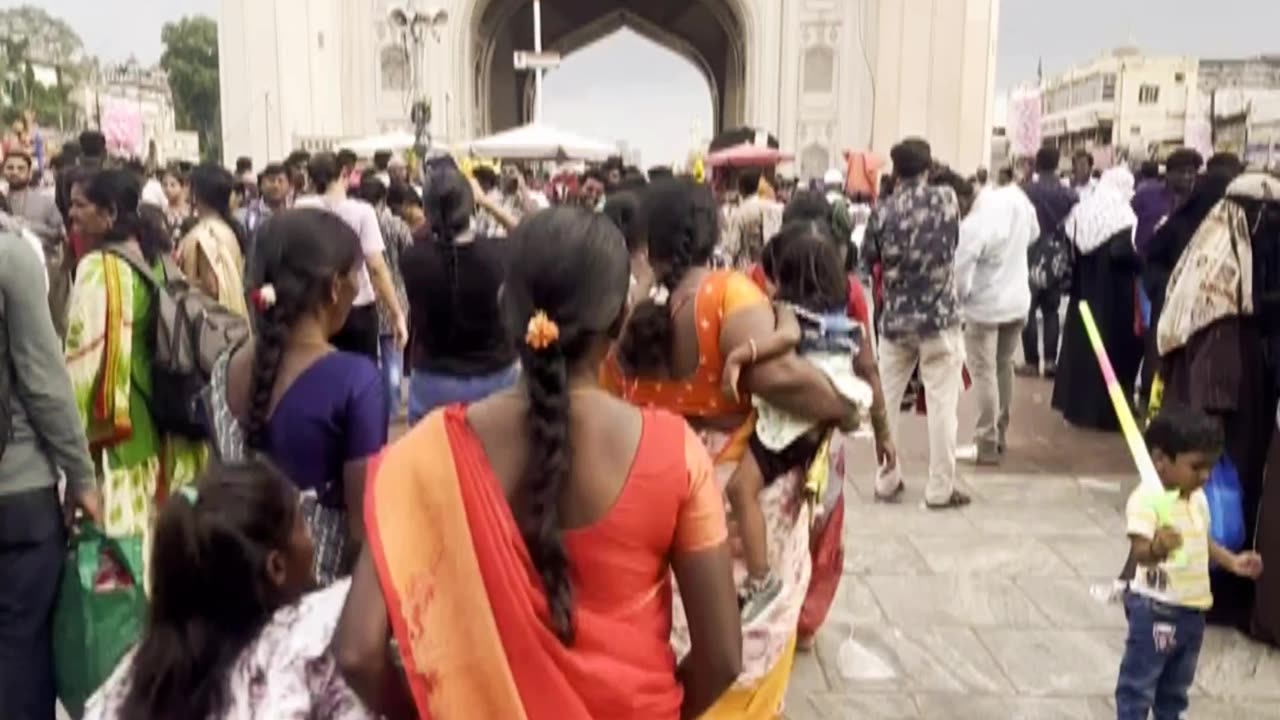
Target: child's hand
729 377
1246 565
1167 539
886 454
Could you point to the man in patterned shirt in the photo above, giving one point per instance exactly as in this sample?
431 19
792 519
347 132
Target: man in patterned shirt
751 223
912 235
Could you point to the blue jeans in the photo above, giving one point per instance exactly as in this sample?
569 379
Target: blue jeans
428 391
391 359
1160 659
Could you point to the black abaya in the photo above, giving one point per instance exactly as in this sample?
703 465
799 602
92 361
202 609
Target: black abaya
1104 277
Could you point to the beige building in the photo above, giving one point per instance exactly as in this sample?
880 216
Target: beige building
823 75
1246 121
144 90
1132 103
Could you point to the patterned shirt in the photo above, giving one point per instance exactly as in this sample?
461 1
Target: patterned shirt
750 225
487 225
397 238
913 236
253 216
287 673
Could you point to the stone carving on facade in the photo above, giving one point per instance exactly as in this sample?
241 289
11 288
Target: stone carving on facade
394 68
818 72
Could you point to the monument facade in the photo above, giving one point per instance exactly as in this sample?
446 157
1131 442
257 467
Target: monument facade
823 75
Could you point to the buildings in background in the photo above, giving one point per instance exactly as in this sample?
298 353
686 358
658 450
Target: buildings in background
1124 103
133 106
823 76
1243 99
1129 105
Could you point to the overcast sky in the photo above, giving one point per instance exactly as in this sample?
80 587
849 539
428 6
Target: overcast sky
628 88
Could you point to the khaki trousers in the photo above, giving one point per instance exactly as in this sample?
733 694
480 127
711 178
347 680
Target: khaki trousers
989 351
941 360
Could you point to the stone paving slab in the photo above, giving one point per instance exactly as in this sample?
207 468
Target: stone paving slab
985 613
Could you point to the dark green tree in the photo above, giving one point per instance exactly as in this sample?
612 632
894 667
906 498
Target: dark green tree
30 37
191 60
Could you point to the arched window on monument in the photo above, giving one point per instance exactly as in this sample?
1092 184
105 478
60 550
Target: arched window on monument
394 65
814 161
819 69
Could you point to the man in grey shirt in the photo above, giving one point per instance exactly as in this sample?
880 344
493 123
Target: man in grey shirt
36 207
43 441
38 212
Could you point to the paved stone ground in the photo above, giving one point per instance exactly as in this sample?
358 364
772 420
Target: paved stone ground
985 613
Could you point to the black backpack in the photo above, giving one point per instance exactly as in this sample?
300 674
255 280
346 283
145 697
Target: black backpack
1049 261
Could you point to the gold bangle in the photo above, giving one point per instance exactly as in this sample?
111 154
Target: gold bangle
880 423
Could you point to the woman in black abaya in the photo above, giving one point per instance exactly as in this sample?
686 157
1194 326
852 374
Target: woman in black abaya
1106 264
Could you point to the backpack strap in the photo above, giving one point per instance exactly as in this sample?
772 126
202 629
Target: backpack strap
138 263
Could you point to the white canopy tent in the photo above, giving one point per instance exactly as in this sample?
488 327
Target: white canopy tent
368 145
537 141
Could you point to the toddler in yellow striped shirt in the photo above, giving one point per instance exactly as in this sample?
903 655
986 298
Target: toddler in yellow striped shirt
1170 543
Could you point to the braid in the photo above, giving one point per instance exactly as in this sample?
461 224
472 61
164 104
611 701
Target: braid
546 474
645 348
272 331
242 240
681 259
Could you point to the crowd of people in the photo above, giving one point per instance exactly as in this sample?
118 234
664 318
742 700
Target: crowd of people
628 402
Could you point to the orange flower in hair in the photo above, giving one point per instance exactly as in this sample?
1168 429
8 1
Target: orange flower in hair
542 331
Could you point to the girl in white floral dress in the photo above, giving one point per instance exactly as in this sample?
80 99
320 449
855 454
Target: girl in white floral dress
231 634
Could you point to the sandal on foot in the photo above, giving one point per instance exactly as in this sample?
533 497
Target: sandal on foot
957 500
893 496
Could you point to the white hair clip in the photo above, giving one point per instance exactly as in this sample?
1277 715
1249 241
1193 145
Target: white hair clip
659 294
264 298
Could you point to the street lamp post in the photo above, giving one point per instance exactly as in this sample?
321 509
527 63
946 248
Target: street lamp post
414 27
537 49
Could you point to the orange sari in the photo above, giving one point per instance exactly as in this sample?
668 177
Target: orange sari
768 649
467 607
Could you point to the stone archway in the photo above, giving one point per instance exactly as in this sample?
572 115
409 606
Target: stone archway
714 35
606 25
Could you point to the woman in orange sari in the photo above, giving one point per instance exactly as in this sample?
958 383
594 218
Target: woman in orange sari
520 550
671 356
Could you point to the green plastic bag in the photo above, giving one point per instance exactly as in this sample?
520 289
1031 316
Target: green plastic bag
100 612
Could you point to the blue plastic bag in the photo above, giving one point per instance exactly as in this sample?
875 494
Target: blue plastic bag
1226 505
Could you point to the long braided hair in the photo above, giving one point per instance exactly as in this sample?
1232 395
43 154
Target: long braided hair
300 254
682 225
565 291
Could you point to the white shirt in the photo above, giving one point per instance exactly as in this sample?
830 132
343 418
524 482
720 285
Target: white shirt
538 199
991 259
362 218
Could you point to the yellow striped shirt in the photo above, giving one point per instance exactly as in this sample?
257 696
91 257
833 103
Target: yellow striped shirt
1182 579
